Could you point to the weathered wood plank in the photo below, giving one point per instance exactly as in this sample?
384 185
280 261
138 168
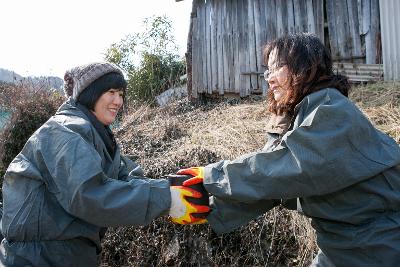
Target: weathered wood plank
220 48
213 47
246 34
252 62
357 72
300 17
200 53
279 19
310 16
263 22
261 44
349 65
203 52
297 16
243 47
375 33
195 57
285 22
370 30
202 68
259 25
354 33
290 16
366 25
342 24
318 6
228 52
236 73
241 66
331 18
339 26
208 47
270 14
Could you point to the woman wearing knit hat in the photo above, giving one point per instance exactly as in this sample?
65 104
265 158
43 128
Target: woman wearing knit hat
70 182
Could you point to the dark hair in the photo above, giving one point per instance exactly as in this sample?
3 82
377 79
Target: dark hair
92 93
309 65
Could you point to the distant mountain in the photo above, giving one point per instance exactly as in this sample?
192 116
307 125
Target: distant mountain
9 76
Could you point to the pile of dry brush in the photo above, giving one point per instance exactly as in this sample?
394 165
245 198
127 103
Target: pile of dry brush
31 106
163 140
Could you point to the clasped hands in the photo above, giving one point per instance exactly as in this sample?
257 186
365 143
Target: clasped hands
189 199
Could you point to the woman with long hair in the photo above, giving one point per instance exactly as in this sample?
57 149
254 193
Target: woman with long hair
323 157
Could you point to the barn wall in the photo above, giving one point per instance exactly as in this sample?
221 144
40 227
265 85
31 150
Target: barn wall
390 21
228 37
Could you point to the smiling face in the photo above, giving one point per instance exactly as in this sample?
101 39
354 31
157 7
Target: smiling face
108 105
278 77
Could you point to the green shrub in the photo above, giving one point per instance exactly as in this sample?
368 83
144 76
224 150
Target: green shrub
154 75
149 59
30 109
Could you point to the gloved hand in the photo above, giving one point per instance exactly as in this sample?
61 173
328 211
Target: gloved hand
182 211
196 172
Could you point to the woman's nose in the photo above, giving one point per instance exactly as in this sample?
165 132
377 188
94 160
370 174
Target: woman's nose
118 99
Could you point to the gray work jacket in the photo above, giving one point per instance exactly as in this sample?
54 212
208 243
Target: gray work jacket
64 187
344 171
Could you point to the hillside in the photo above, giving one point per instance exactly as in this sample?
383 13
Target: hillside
9 76
166 139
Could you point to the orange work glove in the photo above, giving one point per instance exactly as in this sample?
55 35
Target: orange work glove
181 210
196 172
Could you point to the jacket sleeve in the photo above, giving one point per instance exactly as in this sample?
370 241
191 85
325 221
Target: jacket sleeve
76 178
331 146
129 169
227 216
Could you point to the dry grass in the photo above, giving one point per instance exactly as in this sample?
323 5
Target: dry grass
381 104
164 140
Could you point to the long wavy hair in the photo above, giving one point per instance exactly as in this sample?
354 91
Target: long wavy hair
309 65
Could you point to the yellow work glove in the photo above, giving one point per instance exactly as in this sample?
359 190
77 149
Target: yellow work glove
182 211
196 172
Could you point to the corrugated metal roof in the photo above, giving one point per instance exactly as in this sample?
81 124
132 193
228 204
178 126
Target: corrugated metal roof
390 21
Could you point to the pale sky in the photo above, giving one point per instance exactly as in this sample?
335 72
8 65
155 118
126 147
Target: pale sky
47 37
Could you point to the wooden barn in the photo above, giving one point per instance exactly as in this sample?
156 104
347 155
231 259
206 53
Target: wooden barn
226 39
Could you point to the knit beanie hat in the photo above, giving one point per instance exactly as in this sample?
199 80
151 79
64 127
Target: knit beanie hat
79 78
